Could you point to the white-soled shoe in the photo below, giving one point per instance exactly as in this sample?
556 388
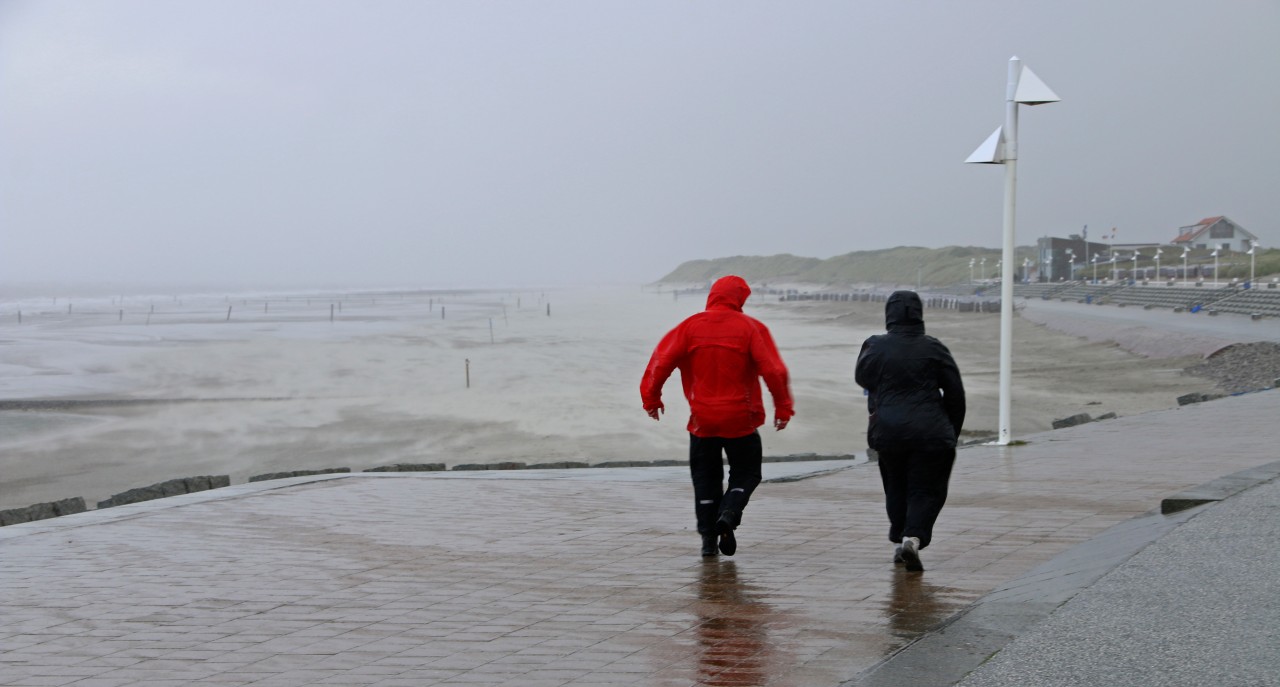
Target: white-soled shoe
911 554
897 554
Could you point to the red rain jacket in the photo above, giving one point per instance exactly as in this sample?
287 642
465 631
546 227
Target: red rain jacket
721 353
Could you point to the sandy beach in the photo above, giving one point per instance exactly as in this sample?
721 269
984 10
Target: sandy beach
277 385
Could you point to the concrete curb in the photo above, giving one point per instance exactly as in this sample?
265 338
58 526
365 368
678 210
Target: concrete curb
819 473
142 508
1220 488
962 643
819 466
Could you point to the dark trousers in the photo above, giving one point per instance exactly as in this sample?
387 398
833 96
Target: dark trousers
915 489
707 469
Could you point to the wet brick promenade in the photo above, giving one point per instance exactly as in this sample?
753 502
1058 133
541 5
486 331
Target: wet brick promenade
576 577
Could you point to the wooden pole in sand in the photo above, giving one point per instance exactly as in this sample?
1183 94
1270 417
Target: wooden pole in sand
121 318
490 330
442 312
548 310
229 313
468 370
331 312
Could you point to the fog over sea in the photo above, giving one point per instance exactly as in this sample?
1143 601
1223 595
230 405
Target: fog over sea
176 385
270 381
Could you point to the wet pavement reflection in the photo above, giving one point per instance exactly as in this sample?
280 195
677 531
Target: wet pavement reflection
733 628
914 606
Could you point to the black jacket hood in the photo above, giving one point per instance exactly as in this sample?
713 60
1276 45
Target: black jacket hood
914 392
904 312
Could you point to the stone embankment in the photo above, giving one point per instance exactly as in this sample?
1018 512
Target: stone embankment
173 487
1242 367
41 511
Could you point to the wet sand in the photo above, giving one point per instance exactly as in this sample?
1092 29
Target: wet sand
284 388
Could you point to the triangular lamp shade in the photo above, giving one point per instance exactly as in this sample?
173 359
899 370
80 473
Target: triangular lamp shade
991 152
1033 91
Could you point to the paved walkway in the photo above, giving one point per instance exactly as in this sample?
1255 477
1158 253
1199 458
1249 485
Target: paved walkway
1157 598
1201 606
586 577
1158 333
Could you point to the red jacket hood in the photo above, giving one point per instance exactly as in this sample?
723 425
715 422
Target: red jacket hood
728 292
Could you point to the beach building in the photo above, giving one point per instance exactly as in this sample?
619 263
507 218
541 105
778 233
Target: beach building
1068 258
1216 232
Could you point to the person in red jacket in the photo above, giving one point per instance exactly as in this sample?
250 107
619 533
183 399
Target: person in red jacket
721 354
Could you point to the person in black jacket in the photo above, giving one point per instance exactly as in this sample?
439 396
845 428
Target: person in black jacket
916 401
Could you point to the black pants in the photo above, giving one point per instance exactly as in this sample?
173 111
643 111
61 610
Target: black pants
915 489
707 469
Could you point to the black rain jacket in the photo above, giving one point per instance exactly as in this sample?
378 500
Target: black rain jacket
914 393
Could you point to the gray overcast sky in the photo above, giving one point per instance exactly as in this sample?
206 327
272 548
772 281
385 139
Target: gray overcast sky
539 143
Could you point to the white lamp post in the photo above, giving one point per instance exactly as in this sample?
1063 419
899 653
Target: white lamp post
1001 148
1071 265
1115 271
1186 276
1095 268
1048 268
1215 268
1026 269
971 261
1252 262
982 267
1158 252
1135 267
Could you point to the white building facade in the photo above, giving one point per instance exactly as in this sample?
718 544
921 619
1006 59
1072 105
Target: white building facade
1216 232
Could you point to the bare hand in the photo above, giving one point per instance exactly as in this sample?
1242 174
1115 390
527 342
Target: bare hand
779 424
654 413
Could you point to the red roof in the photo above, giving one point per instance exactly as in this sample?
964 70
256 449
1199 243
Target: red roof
1197 229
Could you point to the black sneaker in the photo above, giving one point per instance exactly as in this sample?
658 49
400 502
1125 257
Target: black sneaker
728 521
708 544
728 543
725 526
897 555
